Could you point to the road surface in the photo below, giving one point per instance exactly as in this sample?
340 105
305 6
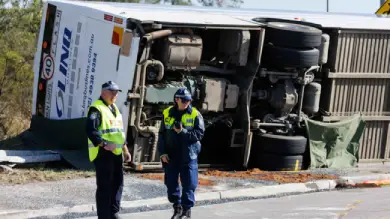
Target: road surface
344 204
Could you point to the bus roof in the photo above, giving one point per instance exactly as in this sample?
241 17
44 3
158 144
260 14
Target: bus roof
212 16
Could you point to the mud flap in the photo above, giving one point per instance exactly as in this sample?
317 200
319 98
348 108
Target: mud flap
248 147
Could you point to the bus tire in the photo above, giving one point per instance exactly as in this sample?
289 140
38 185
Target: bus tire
275 162
292 35
283 145
280 57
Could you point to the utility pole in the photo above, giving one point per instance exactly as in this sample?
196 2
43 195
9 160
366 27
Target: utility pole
327 5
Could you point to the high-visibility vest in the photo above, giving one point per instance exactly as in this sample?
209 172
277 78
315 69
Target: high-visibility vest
111 129
188 120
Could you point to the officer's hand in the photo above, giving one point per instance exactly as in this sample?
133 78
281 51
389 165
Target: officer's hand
178 130
165 159
110 147
127 157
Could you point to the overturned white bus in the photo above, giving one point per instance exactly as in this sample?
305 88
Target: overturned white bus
254 75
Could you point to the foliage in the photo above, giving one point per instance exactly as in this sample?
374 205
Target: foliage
19 26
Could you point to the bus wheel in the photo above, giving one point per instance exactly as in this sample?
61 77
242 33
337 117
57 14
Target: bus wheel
280 57
292 35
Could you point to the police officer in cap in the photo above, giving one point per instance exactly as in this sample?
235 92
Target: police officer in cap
180 134
106 146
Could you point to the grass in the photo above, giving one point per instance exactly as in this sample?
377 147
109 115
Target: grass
32 173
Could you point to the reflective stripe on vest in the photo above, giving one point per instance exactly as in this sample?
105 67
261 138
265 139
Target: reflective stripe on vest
111 129
188 120
91 145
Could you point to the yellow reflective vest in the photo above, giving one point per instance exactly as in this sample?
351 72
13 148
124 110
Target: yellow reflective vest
188 120
111 129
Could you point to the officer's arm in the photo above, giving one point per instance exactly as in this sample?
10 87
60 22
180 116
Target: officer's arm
160 143
93 123
197 133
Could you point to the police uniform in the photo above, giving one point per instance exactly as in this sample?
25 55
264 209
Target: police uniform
104 125
182 150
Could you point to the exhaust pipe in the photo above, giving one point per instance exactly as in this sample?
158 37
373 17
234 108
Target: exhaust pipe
149 129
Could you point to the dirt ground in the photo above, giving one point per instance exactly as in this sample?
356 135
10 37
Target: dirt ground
279 177
30 175
154 176
57 171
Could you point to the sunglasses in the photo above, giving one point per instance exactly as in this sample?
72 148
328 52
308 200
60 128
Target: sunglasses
184 100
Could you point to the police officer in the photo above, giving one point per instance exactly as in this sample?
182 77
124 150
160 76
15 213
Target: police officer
106 141
181 131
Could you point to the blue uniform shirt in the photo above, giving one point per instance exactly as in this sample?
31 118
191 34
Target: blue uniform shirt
183 145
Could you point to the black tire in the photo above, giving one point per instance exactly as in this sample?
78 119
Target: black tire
283 145
293 35
279 57
274 162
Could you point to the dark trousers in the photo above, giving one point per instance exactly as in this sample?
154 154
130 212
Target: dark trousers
109 181
189 180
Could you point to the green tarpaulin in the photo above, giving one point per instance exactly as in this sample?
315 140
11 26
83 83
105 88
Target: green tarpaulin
335 145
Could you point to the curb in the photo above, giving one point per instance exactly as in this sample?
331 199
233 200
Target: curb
257 192
364 181
361 179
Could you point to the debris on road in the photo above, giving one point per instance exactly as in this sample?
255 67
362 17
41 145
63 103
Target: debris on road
5 169
28 156
351 185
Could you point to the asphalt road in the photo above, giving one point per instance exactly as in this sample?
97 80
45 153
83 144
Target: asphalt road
343 204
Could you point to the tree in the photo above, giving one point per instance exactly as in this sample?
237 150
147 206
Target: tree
18 28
